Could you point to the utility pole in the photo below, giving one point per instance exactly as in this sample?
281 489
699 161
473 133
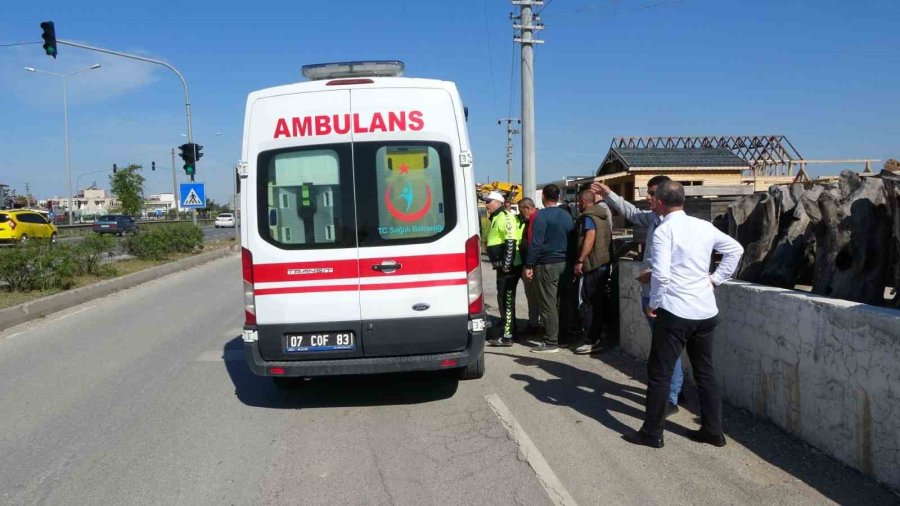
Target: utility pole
510 131
527 25
174 186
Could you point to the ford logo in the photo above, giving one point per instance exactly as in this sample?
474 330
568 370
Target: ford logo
421 307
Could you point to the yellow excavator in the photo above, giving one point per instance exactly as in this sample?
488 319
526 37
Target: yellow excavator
511 191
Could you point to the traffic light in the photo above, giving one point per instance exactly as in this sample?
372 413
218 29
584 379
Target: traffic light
115 168
152 165
188 154
198 151
49 37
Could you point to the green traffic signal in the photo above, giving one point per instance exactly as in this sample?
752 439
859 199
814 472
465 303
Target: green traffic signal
190 170
49 37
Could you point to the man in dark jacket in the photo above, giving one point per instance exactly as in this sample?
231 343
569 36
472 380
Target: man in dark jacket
527 212
592 269
546 262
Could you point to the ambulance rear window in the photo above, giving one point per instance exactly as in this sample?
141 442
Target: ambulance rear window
409 187
306 196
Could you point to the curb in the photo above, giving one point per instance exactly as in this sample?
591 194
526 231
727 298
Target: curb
45 306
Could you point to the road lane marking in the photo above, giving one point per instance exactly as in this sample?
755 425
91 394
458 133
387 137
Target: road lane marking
554 488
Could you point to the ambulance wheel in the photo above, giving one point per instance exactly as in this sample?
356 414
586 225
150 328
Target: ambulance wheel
474 370
286 383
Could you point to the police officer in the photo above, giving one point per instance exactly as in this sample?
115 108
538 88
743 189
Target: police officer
503 238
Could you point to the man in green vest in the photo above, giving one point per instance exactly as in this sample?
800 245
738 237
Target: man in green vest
503 238
592 268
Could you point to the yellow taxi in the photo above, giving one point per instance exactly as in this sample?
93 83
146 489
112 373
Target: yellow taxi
21 225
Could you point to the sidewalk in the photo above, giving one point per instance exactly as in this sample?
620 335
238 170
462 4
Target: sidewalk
578 407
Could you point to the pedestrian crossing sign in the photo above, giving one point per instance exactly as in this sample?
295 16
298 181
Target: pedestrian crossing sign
193 196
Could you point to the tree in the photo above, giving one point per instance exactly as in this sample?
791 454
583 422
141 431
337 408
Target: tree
214 207
127 185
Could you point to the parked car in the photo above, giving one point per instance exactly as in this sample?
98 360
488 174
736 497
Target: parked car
225 220
118 224
20 225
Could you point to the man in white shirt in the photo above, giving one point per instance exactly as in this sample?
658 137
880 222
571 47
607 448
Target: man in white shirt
684 304
649 219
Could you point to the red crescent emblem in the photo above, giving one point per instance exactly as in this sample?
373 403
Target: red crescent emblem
407 217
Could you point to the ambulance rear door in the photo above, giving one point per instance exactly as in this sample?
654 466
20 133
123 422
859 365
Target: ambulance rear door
303 240
412 221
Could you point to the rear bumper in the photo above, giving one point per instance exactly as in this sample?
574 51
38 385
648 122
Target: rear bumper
374 365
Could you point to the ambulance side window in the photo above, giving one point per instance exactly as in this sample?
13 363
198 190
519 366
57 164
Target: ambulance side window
409 188
306 197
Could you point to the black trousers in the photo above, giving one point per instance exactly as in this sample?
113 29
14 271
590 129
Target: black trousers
594 302
506 299
567 293
670 336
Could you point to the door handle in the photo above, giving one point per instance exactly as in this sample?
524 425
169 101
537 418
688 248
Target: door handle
387 266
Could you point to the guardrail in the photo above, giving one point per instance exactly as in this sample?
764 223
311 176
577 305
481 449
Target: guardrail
139 223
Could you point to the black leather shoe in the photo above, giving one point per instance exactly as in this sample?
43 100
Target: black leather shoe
501 342
701 436
671 409
639 438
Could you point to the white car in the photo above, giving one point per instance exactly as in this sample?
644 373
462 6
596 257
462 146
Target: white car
225 220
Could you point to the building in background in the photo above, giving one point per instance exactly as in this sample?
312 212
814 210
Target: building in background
87 203
160 205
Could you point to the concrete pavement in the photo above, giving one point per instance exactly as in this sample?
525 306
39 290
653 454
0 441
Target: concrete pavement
143 397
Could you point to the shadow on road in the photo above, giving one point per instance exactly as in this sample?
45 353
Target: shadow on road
589 393
771 444
337 391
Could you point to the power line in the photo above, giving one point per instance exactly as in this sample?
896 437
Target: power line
615 6
19 44
512 76
487 37
538 13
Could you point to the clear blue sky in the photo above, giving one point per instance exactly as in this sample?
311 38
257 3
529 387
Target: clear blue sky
825 73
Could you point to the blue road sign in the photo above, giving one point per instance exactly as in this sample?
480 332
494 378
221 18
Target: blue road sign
193 195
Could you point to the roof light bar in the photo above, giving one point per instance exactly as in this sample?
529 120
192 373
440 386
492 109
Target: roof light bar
378 68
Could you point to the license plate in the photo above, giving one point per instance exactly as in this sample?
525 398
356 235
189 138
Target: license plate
319 341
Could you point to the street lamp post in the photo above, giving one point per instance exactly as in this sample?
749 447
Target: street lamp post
66 123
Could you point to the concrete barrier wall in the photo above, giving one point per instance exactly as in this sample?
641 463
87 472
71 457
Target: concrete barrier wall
825 370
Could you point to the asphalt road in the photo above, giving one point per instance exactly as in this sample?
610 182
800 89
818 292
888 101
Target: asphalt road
143 398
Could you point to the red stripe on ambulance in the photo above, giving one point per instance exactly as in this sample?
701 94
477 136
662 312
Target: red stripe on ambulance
343 269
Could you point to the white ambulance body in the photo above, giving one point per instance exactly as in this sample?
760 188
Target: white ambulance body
360 232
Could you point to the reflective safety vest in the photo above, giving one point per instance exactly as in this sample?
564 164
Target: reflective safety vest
503 238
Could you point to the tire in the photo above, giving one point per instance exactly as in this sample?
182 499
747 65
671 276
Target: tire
23 239
53 238
474 370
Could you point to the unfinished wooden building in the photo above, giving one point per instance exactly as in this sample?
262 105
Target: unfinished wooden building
703 171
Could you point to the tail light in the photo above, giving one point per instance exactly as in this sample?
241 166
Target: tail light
340 82
249 297
12 224
473 276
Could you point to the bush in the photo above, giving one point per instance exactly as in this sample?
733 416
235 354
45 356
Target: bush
90 252
37 266
159 242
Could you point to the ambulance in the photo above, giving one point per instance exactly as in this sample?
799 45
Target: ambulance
360 237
